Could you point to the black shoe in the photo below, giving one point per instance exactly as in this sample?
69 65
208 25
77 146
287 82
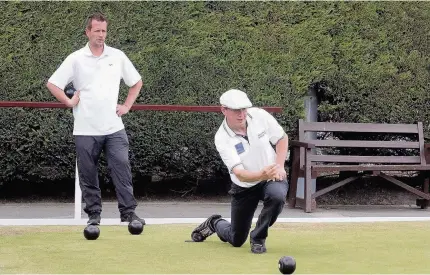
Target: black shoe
204 230
129 217
94 218
258 248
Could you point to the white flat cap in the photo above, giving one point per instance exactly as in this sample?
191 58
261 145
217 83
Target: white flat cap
235 99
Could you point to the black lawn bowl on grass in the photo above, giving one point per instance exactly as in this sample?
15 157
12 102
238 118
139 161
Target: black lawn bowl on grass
91 232
135 227
287 265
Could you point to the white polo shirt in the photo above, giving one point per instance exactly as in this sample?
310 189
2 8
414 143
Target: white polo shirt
98 80
253 155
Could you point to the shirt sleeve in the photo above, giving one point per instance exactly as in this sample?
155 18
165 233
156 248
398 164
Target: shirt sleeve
228 154
275 131
64 74
128 72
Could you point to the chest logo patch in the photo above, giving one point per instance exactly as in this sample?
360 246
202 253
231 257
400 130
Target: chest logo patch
239 148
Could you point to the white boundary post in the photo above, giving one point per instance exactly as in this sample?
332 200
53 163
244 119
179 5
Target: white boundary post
78 195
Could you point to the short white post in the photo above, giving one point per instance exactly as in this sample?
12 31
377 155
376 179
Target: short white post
78 195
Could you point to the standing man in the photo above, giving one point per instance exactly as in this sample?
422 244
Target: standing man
96 71
244 141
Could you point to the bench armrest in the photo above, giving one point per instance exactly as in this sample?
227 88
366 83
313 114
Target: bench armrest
296 143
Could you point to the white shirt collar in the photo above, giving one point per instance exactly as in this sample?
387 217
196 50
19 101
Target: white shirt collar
88 52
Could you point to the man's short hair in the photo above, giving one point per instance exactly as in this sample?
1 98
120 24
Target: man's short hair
98 16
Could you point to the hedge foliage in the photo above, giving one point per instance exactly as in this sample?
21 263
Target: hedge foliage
368 62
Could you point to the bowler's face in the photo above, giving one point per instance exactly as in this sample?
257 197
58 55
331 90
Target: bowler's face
235 118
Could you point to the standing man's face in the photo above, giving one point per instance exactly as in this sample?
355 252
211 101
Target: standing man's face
97 33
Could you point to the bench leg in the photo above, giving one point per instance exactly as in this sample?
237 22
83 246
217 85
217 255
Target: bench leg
308 184
295 169
423 203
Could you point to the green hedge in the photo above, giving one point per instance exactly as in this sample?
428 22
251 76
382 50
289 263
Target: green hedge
368 61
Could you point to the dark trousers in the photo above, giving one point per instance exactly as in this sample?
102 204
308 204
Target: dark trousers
115 146
243 205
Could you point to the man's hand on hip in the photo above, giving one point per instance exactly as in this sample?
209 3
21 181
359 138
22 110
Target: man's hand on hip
72 102
121 109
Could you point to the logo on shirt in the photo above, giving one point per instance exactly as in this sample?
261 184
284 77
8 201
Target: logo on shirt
239 148
262 134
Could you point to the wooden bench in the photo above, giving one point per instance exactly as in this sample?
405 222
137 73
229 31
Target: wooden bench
313 157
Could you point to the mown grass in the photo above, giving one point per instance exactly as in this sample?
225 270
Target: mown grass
318 248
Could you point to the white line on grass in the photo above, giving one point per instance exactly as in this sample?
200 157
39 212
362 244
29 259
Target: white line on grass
30 222
242 274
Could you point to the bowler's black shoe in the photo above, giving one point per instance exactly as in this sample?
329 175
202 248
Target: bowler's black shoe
204 230
258 248
129 217
94 218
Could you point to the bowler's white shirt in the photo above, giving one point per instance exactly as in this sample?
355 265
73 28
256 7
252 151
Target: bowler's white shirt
98 80
263 131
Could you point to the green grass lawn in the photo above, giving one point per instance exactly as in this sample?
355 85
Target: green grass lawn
318 248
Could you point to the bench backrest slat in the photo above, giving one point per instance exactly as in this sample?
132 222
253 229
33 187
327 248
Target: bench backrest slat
366 159
360 127
366 144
